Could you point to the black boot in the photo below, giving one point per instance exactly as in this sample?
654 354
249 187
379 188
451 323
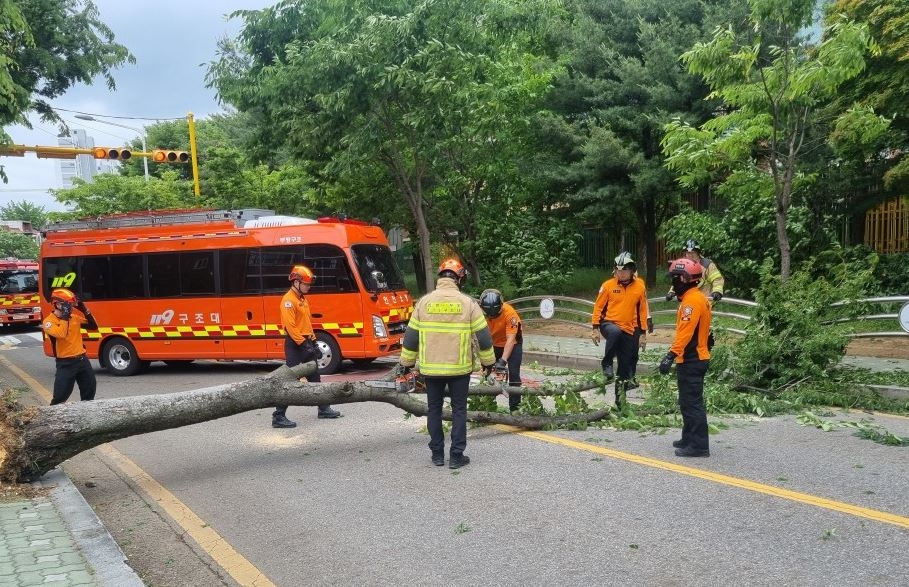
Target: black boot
458 461
328 412
281 421
438 459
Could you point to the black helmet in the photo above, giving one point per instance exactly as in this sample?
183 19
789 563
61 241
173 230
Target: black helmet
692 245
491 302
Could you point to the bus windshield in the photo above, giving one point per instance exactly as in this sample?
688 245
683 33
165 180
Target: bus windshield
377 268
19 281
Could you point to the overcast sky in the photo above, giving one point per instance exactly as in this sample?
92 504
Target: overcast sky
173 42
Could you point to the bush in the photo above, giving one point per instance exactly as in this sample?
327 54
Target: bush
794 335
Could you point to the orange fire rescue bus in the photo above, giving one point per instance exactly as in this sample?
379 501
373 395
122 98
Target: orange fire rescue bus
19 301
181 285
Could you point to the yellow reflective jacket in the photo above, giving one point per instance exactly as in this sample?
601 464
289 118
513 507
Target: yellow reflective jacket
440 330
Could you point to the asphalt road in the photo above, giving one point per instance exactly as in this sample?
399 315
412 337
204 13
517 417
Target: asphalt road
356 501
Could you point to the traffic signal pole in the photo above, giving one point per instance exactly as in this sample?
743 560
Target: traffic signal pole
193 153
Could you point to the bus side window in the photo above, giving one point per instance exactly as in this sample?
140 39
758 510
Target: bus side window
95 274
164 275
197 273
331 268
239 271
129 283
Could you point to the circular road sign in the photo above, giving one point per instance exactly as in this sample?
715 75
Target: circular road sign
547 308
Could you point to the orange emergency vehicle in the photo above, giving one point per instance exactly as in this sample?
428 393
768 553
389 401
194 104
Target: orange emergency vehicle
181 285
19 301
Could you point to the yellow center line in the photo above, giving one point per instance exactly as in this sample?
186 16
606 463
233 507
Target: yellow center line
805 498
234 563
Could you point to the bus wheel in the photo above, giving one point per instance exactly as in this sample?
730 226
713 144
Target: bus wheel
121 358
331 354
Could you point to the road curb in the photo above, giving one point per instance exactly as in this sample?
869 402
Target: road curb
95 543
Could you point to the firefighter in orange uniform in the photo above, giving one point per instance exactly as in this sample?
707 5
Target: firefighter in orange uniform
300 343
691 356
619 316
507 339
63 327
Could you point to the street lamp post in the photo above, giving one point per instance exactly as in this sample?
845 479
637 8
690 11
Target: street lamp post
140 131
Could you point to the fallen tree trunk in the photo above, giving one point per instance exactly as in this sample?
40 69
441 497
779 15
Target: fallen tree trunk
36 439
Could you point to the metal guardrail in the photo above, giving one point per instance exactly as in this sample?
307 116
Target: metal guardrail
577 311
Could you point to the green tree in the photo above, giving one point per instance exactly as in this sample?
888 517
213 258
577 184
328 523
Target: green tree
622 83
46 47
24 210
427 92
111 194
776 88
18 245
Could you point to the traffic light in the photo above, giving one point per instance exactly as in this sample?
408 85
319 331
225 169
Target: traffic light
163 156
112 154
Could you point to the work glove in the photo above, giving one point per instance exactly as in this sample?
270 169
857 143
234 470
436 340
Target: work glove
501 364
670 295
666 363
487 370
650 326
80 305
314 349
717 296
595 335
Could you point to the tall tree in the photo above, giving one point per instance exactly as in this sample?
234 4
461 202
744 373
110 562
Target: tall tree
622 83
776 87
46 47
427 92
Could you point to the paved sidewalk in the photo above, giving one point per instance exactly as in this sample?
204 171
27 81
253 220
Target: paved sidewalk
55 538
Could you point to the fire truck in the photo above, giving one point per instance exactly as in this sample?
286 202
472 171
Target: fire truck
182 285
19 300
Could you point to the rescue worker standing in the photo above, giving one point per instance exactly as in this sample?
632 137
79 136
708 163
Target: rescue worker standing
619 316
63 328
712 282
507 339
440 331
300 343
690 353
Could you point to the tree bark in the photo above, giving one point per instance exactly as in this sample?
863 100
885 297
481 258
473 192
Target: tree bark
34 440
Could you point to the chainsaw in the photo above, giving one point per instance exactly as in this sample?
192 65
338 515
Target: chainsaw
498 377
406 381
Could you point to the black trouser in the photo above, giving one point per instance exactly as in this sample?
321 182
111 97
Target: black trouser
514 371
69 372
690 377
618 344
297 354
636 353
457 387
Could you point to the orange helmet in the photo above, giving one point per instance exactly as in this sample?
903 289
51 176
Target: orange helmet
690 270
454 266
302 273
63 295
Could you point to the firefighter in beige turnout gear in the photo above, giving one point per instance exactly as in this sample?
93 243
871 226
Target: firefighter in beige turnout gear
438 337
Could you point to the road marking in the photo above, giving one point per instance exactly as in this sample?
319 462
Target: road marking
805 498
234 563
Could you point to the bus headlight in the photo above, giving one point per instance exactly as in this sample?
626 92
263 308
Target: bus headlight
37 309
378 327
3 312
